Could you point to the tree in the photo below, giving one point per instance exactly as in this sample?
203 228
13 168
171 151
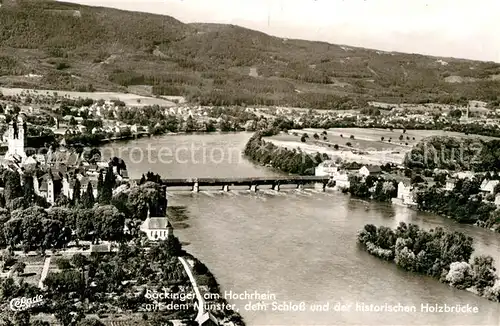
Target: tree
76 191
348 144
484 272
417 179
40 323
316 136
22 318
100 184
29 189
110 223
456 114
13 187
72 122
63 263
88 197
142 180
90 322
19 268
336 146
79 261
107 187
382 138
401 137
460 275
303 139
351 137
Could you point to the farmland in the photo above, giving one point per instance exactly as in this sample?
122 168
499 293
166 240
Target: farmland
368 146
128 98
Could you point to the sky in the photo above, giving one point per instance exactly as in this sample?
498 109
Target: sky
450 28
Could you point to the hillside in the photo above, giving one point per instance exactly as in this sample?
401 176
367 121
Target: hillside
56 45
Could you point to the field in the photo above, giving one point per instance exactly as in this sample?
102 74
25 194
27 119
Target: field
367 145
57 45
128 98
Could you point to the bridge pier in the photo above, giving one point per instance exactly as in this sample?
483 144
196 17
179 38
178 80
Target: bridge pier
196 187
225 188
320 186
276 187
253 188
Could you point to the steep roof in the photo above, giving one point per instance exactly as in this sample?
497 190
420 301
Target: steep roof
157 223
207 319
373 168
43 186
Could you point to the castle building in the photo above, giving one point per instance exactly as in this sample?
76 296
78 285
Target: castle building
16 140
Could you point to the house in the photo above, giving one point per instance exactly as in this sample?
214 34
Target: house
488 186
367 170
157 228
207 319
450 184
464 175
497 200
406 194
342 180
68 186
84 183
326 168
48 186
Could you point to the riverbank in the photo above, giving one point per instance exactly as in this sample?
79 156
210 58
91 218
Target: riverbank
289 161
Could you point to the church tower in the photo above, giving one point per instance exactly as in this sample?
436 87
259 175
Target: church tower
16 137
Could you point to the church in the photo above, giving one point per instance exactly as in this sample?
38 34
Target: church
16 140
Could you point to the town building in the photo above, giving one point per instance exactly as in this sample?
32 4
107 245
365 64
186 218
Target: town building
157 228
342 180
406 194
372 170
497 200
450 184
207 319
464 175
16 140
488 186
327 168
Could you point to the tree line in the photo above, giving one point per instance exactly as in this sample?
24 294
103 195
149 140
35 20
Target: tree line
291 161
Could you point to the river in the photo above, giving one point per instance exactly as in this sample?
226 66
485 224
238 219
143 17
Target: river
299 245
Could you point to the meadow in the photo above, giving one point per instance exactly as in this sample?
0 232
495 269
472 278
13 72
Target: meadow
128 98
368 146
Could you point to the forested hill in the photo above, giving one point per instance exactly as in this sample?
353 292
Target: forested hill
69 46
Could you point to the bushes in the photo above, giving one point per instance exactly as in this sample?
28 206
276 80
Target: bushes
442 255
291 161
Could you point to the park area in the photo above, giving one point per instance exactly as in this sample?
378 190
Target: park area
362 145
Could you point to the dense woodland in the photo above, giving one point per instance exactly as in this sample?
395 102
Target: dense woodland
443 255
453 153
108 49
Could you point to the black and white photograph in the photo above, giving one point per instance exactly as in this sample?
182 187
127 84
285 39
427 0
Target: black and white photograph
249 163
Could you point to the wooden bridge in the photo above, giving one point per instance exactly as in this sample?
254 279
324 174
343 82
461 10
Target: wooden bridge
252 183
